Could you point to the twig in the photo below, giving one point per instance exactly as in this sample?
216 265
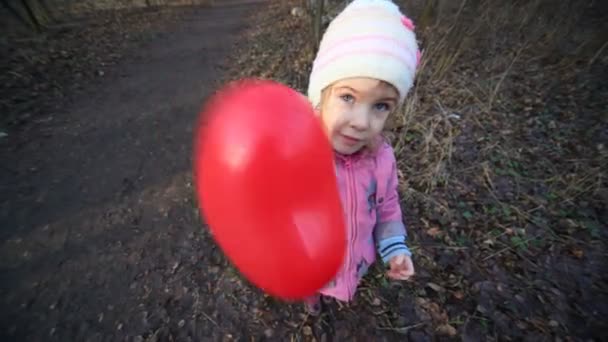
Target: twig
403 330
504 75
444 247
519 254
209 319
497 253
599 52
14 73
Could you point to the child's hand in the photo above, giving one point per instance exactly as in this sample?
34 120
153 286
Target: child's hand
401 267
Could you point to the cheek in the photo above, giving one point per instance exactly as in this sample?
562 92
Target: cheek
333 117
377 124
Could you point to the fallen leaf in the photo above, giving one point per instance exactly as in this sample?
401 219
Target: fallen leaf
421 301
447 330
568 223
435 287
481 309
436 313
578 253
458 295
434 232
174 267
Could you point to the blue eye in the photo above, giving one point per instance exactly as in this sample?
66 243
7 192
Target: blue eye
347 98
381 106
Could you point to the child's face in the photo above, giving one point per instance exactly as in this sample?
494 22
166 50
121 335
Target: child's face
354 111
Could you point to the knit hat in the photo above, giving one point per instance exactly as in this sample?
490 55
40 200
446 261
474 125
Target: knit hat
369 38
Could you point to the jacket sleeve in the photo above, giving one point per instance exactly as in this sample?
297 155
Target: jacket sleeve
390 232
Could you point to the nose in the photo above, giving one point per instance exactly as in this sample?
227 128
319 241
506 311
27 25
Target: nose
360 119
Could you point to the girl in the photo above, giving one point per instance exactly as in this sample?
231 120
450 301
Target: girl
364 68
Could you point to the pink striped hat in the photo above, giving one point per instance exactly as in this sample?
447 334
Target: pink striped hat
369 38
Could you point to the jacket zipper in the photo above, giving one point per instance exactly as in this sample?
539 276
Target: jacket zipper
352 210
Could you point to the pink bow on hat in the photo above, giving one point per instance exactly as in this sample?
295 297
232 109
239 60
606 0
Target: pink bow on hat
407 22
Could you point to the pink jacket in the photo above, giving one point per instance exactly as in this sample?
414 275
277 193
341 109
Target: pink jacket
368 188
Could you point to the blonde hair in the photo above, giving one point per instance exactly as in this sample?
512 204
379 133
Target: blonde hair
325 92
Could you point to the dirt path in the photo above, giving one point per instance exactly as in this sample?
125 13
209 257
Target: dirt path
100 238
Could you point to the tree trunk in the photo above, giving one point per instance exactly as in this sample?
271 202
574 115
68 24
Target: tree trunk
39 11
317 23
47 10
16 13
32 16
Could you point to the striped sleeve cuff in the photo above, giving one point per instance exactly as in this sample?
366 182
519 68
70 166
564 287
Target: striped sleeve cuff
393 246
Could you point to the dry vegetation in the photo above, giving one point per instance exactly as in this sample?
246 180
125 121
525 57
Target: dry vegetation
501 148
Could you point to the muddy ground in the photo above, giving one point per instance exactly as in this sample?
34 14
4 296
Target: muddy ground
101 237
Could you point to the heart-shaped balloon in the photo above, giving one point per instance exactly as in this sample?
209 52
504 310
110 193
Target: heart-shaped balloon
266 184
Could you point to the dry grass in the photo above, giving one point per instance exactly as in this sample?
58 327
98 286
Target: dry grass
466 70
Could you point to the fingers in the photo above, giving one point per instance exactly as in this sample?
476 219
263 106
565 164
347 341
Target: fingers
407 274
393 275
397 260
400 275
408 271
402 268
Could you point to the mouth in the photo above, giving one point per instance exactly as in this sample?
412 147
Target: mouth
350 141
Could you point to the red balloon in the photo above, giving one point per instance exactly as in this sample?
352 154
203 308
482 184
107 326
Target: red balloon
266 185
